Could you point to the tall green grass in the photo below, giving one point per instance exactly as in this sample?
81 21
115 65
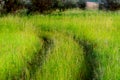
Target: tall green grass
17 48
65 61
71 45
99 28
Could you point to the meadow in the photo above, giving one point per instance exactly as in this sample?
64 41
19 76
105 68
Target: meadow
71 45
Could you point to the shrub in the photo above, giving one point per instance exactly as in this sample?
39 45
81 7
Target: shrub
1 6
70 4
12 5
114 4
58 4
64 4
81 4
41 5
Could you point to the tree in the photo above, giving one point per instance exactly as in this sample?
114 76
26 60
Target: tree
114 4
41 5
58 4
71 3
82 4
12 5
64 4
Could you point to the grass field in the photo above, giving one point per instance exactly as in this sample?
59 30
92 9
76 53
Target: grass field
72 45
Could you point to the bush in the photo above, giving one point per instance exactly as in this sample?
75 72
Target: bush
70 4
31 5
1 6
81 4
58 4
38 5
64 4
114 4
41 5
12 5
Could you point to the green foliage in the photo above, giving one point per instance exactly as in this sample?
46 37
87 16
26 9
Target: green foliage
42 5
114 4
12 5
82 4
95 31
18 45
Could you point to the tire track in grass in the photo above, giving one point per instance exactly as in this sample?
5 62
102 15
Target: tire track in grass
63 62
90 58
16 50
47 64
38 59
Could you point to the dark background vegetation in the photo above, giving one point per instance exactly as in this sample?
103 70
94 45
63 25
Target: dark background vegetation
8 6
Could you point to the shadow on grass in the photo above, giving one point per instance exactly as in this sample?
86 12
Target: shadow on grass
90 57
38 59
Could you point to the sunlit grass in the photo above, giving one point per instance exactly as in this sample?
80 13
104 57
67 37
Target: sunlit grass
63 41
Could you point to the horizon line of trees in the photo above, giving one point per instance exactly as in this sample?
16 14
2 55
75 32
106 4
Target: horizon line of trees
7 6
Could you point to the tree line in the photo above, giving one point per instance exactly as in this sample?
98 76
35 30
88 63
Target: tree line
7 6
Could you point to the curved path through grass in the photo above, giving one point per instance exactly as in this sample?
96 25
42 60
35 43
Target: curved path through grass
66 46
